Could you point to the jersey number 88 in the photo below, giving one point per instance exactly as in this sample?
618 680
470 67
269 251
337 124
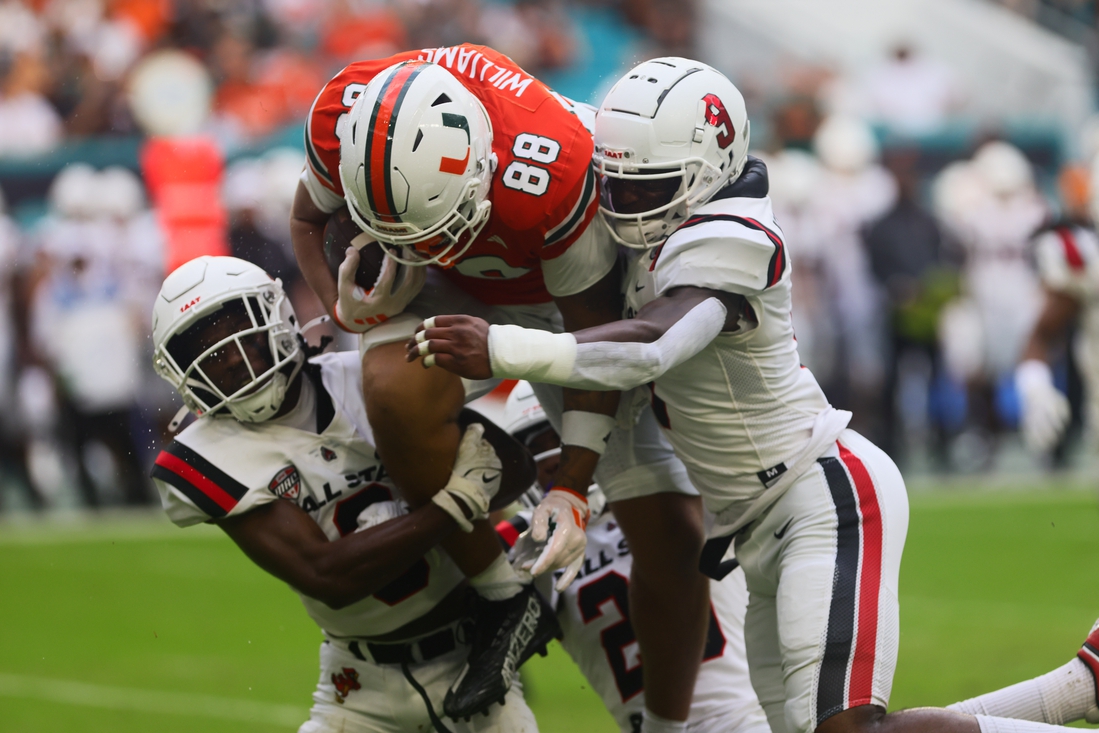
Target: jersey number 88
525 177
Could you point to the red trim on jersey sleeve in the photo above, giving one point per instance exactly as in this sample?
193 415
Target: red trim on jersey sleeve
777 265
196 479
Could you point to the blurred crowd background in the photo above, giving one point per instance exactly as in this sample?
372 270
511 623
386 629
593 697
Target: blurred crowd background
914 151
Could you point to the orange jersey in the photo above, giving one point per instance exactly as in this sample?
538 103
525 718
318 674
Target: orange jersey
543 192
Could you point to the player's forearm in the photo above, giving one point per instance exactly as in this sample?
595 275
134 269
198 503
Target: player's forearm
597 307
307 236
607 364
283 540
308 240
363 563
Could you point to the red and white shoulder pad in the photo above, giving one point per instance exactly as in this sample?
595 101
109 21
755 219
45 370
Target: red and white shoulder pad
732 245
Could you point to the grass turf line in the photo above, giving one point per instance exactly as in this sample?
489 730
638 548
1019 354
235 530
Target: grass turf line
995 588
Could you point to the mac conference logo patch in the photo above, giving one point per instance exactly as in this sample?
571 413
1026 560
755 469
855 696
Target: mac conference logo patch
286 484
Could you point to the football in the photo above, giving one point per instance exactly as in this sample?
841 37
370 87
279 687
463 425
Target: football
339 233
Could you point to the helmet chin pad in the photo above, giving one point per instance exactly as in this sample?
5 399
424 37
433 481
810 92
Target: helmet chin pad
648 229
263 403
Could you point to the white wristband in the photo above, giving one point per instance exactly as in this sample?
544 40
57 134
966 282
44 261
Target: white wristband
526 353
450 505
589 430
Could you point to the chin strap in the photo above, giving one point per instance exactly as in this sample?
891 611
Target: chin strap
436 721
178 419
311 351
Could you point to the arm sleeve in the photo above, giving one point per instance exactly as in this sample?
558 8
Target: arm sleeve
582 265
323 197
539 356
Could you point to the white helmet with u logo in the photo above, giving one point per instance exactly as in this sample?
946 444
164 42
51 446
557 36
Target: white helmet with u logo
416 163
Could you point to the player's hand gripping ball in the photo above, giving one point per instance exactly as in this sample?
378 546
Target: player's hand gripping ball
342 232
372 288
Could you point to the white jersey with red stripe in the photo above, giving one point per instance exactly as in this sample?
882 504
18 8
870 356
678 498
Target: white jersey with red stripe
594 613
1068 262
742 410
219 467
544 192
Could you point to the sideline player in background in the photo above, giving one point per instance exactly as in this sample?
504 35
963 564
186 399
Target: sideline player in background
1067 255
595 612
818 513
282 459
454 157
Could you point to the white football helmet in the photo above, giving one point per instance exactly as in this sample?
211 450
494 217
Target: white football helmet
225 336
522 410
416 163
672 120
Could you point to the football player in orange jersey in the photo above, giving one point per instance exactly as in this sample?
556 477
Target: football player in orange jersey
456 158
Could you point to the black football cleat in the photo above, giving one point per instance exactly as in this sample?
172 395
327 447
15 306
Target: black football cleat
506 634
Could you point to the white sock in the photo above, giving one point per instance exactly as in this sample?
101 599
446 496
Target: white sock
1007 725
1057 697
651 723
498 581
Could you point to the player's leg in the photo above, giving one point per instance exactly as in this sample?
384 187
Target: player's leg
352 696
727 678
661 516
765 657
1064 695
669 598
414 412
658 510
829 550
837 567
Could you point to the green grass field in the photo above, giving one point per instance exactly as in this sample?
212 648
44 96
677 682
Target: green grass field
129 624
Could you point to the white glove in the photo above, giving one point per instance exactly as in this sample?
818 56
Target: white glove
1046 411
379 512
568 511
360 310
474 480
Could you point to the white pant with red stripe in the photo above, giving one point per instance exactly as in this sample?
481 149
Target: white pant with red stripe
822 565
